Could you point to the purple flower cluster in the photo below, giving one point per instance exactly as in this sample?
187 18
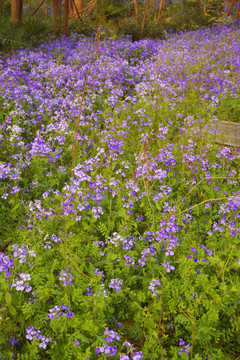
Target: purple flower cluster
59 311
112 336
110 351
33 334
66 277
49 242
106 349
21 283
146 253
183 349
152 286
5 265
99 272
128 260
115 284
132 355
13 341
21 252
168 267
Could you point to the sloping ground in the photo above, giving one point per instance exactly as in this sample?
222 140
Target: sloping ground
134 252
223 132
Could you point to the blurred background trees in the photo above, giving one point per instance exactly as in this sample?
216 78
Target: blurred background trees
33 21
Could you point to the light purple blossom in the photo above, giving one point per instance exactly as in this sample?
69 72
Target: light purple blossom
116 284
169 267
66 277
152 286
32 334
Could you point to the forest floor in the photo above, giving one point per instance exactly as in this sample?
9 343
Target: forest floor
119 218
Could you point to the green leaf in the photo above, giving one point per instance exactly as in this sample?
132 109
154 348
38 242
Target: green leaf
111 257
8 299
12 310
141 297
122 212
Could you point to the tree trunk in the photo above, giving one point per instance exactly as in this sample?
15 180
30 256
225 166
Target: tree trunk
230 7
16 10
56 7
154 10
65 17
162 6
77 9
144 17
237 13
37 8
220 9
197 6
136 10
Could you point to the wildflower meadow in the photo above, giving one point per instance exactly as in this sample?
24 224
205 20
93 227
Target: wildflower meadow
119 211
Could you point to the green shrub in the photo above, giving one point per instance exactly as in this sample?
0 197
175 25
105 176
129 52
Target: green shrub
151 30
177 19
85 27
18 35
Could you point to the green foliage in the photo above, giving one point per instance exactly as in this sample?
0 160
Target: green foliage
19 35
230 109
108 10
84 26
184 18
197 301
152 29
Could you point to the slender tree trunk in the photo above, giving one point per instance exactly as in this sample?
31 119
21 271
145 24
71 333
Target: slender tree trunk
161 9
230 7
144 17
136 10
197 6
45 11
37 8
237 13
56 7
70 10
16 10
220 9
77 9
205 8
65 17
154 10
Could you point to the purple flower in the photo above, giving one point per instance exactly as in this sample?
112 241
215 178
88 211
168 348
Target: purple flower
5 265
112 335
13 341
185 349
59 311
209 252
66 277
116 284
32 334
169 267
21 283
106 349
137 355
152 286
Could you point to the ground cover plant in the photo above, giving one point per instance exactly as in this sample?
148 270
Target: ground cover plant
129 249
